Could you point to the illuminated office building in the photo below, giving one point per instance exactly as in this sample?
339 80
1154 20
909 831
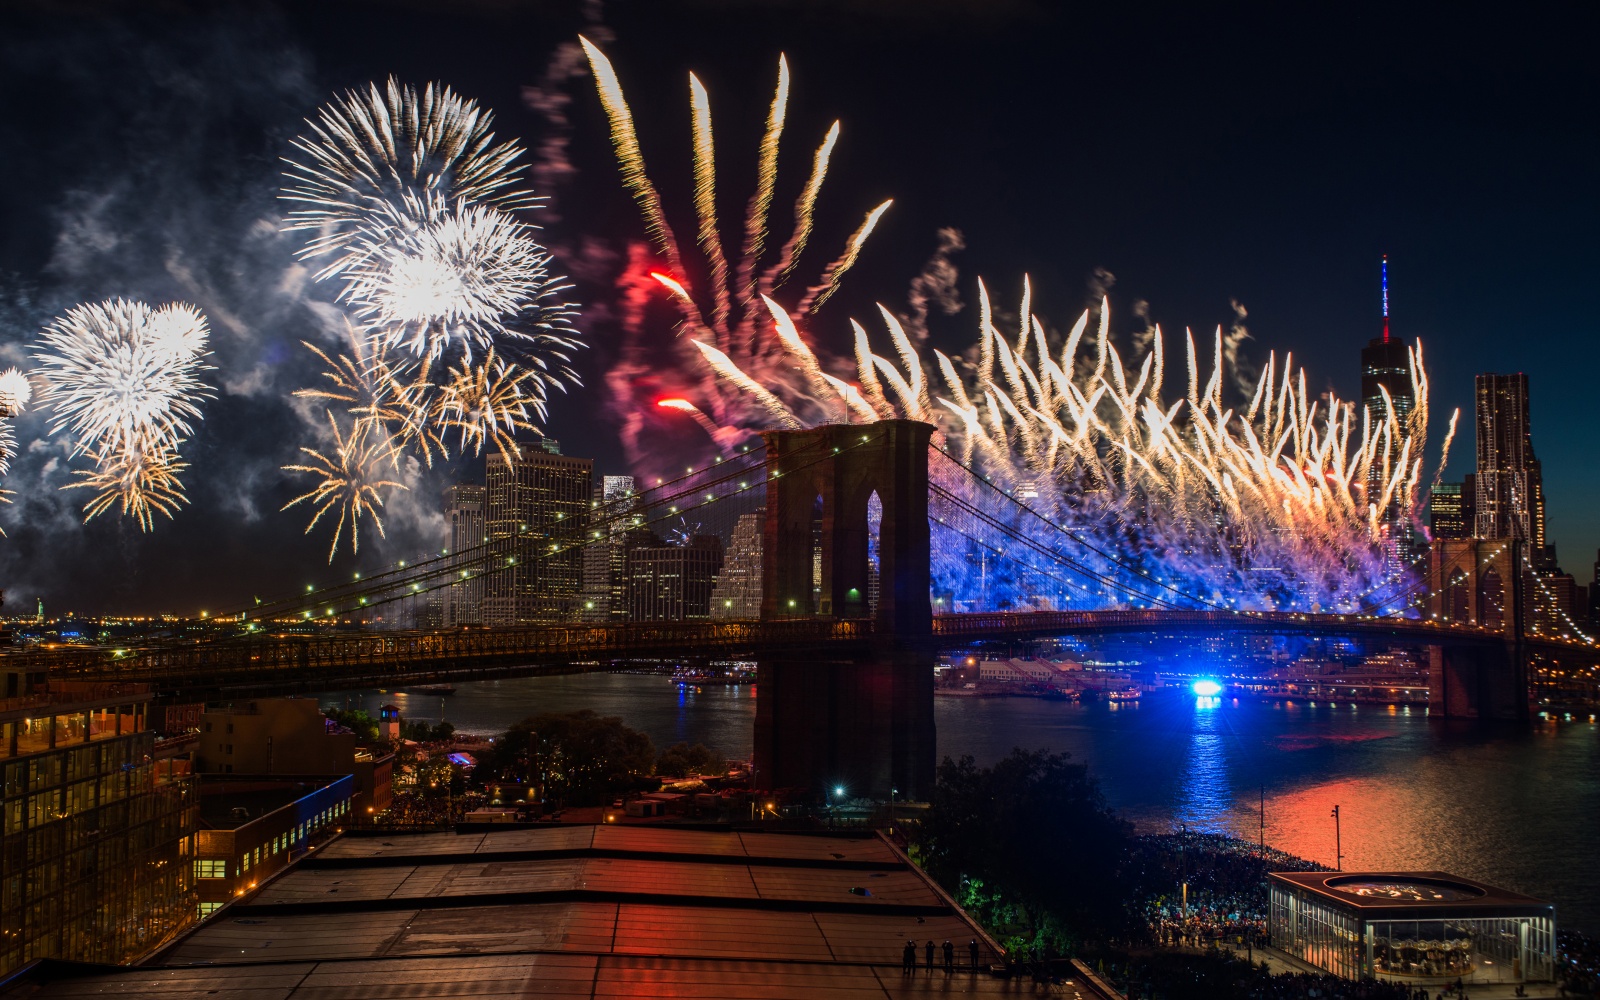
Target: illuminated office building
536 511
97 835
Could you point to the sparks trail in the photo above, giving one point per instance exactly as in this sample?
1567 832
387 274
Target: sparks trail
1273 505
726 316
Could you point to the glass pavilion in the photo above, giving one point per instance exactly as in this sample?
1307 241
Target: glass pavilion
1420 927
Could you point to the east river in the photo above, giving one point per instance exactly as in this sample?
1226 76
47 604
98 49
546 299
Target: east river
1515 807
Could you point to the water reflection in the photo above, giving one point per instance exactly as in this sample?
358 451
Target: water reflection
1206 795
1507 806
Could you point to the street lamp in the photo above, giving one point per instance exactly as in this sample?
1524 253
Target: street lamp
892 793
1338 849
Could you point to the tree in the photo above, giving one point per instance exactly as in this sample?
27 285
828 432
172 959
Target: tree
1030 843
356 720
682 760
579 757
421 732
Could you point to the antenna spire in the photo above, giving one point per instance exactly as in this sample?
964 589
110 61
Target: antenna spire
1385 298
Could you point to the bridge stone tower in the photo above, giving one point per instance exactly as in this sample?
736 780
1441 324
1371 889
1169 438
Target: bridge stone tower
865 725
1479 582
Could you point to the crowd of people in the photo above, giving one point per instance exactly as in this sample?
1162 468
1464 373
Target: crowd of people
1223 975
1577 965
411 810
1226 896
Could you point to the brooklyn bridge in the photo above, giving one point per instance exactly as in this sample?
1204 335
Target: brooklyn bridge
845 684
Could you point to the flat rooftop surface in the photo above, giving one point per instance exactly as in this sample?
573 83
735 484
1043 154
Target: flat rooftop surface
1413 895
217 805
579 911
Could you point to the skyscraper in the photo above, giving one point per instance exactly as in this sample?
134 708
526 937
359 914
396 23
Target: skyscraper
536 510
1386 365
613 512
1386 392
464 510
738 589
673 582
1510 500
1450 511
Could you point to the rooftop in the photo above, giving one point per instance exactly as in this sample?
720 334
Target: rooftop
222 794
1413 895
580 911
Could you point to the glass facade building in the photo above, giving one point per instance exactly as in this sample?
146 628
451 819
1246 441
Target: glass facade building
1417 927
96 834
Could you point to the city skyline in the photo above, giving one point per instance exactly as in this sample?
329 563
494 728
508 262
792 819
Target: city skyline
1315 293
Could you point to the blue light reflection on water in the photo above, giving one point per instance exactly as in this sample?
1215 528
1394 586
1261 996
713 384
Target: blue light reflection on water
1511 806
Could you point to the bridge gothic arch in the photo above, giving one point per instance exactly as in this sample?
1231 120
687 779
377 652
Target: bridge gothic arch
838 496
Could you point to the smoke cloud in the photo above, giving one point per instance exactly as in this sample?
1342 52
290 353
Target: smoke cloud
935 285
164 189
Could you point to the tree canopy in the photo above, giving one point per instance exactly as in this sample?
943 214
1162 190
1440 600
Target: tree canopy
1031 842
580 758
356 720
682 760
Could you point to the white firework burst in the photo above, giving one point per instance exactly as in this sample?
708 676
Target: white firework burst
455 283
376 156
120 377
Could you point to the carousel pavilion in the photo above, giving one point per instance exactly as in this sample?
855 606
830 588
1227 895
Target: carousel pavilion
1421 927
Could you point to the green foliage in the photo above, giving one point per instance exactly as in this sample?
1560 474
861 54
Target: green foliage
438 776
580 758
421 732
354 719
682 760
1030 846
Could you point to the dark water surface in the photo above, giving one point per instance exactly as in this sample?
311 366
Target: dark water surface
1516 807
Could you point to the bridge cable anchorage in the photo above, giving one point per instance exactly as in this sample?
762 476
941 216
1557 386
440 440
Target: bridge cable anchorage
1074 536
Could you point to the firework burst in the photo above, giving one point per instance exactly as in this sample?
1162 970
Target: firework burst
380 158
458 325
456 283
122 380
351 482
726 318
141 484
15 391
120 377
1277 503
489 403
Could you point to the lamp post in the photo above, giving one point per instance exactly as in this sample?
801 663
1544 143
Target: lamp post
1338 849
892 793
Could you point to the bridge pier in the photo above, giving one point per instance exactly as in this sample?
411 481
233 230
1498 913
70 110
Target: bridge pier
1488 682
866 725
1482 583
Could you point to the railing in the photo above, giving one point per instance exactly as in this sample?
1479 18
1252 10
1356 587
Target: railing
378 656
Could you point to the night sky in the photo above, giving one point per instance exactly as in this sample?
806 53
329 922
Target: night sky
1265 155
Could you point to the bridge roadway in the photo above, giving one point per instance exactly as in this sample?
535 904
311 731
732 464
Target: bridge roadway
283 663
